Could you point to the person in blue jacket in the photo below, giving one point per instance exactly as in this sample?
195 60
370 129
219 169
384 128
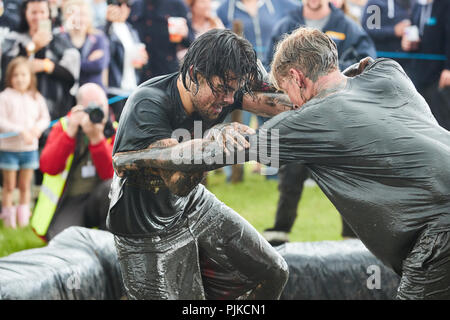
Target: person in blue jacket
388 30
353 44
257 18
352 41
432 76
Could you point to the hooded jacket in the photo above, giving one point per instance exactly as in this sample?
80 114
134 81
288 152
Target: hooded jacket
256 29
434 39
352 42
391 13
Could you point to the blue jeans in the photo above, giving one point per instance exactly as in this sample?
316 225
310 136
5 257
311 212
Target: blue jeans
10 160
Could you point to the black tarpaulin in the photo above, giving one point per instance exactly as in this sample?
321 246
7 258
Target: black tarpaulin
81 264
336 270
78 264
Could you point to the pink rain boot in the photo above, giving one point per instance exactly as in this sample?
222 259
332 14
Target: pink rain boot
9 217
23 215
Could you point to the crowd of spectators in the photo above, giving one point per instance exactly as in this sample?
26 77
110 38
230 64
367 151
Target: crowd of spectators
118 44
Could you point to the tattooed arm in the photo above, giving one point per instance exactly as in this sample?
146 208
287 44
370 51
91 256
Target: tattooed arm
135 163
266 101
166 158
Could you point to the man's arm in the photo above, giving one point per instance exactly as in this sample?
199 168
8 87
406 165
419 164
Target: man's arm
167 158
267 103
179 183
150 161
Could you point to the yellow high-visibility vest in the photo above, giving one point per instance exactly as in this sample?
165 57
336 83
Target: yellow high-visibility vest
51 191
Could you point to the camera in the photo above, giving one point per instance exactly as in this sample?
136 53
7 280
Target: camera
95 112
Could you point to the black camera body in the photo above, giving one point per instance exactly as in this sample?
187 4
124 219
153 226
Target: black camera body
95 112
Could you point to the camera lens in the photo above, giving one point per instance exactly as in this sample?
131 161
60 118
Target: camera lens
95 112
96 115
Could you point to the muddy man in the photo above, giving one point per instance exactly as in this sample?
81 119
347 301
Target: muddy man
174 239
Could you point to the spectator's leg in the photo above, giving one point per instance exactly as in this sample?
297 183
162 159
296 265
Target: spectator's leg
23 210
290 185
8 214
25 177
9 184
347 232
439 102
98 205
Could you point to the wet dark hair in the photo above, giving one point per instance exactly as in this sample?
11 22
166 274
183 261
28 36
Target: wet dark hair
224 54
23 25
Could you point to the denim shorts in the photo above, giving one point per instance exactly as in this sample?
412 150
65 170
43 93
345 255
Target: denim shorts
10 160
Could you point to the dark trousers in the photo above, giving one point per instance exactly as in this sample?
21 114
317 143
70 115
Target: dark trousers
426 270
291 178
212 253
87 210
439 102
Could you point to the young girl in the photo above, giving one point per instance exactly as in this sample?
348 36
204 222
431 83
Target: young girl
22 111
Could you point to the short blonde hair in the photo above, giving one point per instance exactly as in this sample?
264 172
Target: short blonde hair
305 49
69 7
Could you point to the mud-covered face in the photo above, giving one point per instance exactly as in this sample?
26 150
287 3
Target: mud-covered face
208 103
298 94
289 87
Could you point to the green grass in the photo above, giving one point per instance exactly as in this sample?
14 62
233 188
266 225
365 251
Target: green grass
12 240
255 199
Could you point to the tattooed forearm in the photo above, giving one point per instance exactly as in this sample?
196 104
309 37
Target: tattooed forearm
267 104
153 166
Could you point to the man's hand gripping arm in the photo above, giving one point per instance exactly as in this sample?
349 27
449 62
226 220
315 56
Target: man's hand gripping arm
164 157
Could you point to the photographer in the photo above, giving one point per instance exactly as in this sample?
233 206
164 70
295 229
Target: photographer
78 168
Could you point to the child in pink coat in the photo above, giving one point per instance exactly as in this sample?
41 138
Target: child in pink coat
23 118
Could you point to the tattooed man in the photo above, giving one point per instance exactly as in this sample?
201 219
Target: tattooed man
174 239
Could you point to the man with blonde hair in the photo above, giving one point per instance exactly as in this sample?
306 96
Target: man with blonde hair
374 148
376 151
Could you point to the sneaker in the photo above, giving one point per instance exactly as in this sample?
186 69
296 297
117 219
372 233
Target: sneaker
23 215
9 217
276 238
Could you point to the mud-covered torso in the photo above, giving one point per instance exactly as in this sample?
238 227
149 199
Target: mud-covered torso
140 202
378 154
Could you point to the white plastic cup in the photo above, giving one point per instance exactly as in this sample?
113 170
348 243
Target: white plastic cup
175 25
412 33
